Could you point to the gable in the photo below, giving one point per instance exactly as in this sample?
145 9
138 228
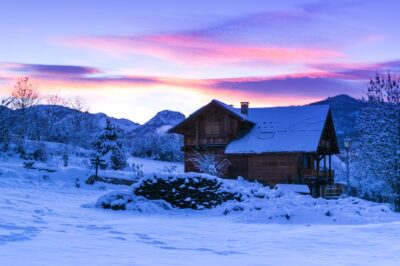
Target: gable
205 111
328 141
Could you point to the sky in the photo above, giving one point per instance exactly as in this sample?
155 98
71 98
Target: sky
133 58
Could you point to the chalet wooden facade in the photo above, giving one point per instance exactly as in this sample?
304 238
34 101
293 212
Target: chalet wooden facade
271 145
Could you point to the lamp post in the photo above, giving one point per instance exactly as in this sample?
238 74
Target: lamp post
397 183
347 146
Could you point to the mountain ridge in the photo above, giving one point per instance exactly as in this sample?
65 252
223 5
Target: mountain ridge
345 110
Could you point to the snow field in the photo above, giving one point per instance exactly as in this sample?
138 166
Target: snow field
48 221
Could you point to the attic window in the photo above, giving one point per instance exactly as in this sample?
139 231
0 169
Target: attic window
213 128
215 116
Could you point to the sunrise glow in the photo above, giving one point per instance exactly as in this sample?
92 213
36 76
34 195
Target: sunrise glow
130 59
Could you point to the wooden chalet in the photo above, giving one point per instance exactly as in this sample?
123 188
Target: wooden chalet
272 145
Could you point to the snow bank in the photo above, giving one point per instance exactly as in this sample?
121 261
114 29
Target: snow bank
258 204
118 200
255 203
261 204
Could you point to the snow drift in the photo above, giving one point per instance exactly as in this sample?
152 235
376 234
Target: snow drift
248 201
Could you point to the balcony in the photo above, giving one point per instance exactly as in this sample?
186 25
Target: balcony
211 139
324 175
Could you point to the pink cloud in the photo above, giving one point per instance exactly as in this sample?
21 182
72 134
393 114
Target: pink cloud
323 80
371 38
189 49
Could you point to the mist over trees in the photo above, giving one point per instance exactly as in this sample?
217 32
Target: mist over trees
166 147
28 115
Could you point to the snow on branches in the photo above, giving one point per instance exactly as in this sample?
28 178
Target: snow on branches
377 152
209 163
108 145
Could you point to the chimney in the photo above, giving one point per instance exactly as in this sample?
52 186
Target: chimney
244 108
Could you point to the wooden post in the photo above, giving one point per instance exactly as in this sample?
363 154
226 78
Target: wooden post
322 191
197 133
97 162
97 166
325 175
226 123
226 119
316 181
330 168
316 189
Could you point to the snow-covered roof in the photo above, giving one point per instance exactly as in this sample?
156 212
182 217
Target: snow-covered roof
282 129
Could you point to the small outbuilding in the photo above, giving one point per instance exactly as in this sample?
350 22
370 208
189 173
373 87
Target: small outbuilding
291 145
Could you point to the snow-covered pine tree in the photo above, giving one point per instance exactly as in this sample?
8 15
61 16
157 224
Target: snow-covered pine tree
107 145
377 153
118 159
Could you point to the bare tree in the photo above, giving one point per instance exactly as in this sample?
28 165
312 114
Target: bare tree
80 123
79 104
24 94
56 99
209 163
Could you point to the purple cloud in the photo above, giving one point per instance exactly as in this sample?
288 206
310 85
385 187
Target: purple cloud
59 70
118 80
358 71
327 80
298 27
293 86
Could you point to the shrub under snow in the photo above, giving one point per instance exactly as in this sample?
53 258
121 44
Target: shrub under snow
195 191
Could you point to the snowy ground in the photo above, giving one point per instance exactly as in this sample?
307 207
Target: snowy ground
149 165
45 220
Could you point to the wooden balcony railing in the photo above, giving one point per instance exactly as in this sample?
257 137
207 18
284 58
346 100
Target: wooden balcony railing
325 174
209 140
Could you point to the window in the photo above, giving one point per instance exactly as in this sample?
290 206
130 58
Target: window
307 162
213 128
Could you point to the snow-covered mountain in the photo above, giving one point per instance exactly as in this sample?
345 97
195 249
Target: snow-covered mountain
159 124
345 111
123 123
99 119
150 140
